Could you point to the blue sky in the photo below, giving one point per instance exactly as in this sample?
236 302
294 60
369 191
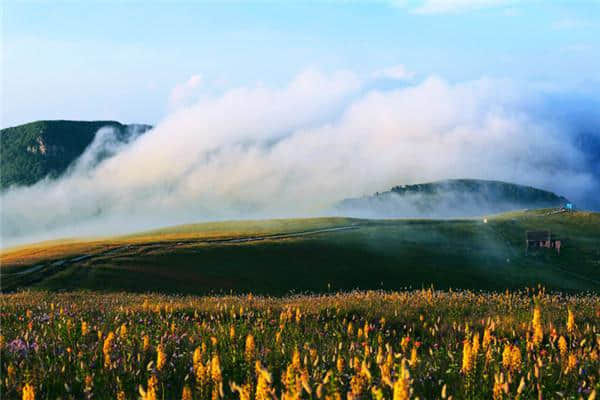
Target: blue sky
123 60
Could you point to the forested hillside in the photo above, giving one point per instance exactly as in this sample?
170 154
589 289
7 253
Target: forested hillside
32 151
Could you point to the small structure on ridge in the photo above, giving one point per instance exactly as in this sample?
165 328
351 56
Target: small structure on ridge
542 240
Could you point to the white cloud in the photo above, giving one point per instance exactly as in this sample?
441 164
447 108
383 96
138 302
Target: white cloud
296 150
183 93
571 23
451 6
396 72
578 48
447 6
511 12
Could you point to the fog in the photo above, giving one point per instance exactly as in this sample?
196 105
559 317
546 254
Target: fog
296 150
442 204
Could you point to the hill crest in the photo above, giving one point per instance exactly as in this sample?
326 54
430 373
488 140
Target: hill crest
450 198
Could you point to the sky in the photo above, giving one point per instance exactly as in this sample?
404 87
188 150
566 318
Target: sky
136 61
283 109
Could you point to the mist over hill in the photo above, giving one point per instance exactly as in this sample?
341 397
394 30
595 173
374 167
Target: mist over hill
450 198
297 149
34 151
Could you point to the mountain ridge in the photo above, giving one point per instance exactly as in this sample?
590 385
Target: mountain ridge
46 148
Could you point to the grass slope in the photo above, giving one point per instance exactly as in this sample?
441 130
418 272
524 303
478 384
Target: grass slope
388 254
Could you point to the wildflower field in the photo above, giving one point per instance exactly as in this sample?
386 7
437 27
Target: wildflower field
363 345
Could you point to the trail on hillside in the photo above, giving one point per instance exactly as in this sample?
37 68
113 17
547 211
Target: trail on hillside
58 265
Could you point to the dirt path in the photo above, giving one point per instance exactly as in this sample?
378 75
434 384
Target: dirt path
27 271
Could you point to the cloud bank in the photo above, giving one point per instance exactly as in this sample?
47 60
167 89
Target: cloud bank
444 6
449 6
255 152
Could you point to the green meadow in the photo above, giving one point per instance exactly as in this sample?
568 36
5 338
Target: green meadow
319 255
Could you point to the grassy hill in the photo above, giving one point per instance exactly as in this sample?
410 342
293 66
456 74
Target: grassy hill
319 255
32 151
451 198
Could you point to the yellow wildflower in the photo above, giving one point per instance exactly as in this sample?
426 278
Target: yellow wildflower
340 364
506 356
161 357
515 358
244 390
305 381
296 359
28 392
592 395
146 343
486 338
570 321
197 358
150 392
404 342
357 384
290 383
538 333
250 348
467 361
187 393
377 393
264 379
475 347
521 387
571 363
215 369
123 331
201 374
413 357
402 389
107 348
500 387
562 346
